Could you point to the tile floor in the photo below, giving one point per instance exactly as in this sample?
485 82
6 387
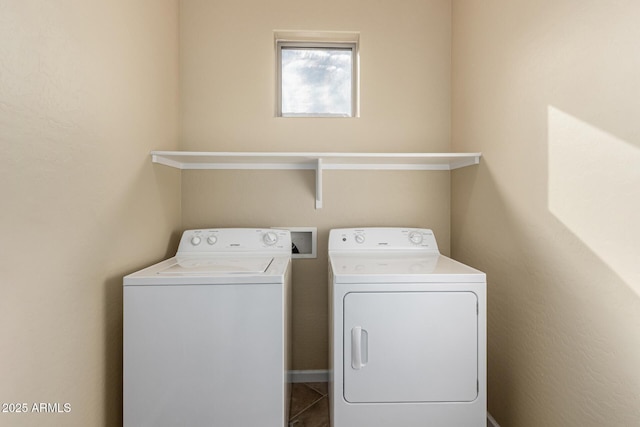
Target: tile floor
309 405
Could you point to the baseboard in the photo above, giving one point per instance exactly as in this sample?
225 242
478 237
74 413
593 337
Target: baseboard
491 422
311 376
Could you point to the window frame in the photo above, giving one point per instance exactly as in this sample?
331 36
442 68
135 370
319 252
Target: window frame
351 46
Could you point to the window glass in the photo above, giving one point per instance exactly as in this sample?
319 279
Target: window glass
316 80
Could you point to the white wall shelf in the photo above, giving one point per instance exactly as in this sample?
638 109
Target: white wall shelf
190 160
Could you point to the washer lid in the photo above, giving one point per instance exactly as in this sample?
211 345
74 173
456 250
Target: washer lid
216 265
213 270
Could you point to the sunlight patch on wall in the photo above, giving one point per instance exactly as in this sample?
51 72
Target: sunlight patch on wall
594 190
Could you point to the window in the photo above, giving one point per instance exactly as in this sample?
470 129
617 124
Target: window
317 78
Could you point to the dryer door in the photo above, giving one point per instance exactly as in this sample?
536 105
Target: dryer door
410 347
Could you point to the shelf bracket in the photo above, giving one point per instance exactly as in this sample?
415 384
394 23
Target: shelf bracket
318 183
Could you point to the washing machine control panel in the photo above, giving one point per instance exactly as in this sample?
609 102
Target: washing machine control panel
235 239
390 238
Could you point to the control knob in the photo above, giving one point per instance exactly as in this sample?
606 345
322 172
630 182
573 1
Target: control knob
212 240
359 238
195 240
270 238
415 237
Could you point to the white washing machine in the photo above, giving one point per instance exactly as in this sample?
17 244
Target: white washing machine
407 332
206 333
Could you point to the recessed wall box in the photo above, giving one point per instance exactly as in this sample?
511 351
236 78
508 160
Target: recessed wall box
303 241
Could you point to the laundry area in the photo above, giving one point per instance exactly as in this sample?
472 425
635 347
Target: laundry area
505 132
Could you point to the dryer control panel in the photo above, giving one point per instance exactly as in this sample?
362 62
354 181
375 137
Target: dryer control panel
386 238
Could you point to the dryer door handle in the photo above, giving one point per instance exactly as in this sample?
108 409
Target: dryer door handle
359 348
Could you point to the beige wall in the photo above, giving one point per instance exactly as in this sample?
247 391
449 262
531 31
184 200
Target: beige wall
548 91
227 59
87 89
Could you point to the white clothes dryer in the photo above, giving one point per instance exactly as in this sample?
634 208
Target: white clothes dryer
206 332
407 332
